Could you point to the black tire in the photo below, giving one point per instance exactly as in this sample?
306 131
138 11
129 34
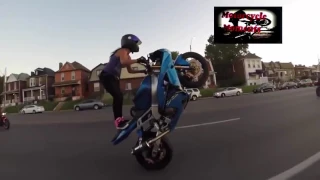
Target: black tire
34 112
23 112
186 82
318 91
238 93
132 112
77 108
161 164
96 107
6 124
194 98
223 95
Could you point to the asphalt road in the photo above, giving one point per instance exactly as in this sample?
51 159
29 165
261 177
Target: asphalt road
271 133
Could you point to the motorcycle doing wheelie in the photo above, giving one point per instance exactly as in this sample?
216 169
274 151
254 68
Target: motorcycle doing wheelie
4 121
159 103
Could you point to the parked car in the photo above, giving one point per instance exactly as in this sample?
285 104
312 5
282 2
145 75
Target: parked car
265 87
229 91
288 85
32 109
194 93
305 83
89 104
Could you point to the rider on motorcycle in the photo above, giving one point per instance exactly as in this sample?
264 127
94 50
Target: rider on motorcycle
110 75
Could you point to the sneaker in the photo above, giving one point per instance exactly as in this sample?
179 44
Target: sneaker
121 123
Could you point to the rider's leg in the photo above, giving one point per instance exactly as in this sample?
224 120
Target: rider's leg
112 85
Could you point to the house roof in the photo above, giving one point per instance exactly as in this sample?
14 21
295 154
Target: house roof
288 65
76 66
101 64
252 55
98 66
266 64
79 66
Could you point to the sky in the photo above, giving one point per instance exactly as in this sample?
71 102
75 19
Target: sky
42 33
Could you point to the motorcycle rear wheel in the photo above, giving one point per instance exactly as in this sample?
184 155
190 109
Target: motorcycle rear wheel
158 164
318 91
6 124
188 83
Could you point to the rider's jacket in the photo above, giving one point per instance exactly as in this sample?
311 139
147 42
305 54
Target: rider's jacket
113 67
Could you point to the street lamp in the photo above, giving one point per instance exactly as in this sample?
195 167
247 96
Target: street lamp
191 42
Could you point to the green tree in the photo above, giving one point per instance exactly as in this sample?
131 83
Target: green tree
223 58
174 54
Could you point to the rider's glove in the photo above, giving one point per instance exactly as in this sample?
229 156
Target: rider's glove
142 60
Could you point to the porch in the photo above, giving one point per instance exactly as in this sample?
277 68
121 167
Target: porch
10 98
34 93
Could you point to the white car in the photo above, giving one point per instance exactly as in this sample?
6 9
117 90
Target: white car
193 93
230 91
32 109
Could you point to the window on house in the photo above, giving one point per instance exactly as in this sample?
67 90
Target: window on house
253 65
258 65
96 87
250 84
62 90
15 85
128 86
249 65
9 88
32 82
98 72
40 81
62 76
73 75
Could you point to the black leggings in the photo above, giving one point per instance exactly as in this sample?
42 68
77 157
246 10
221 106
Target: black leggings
112 85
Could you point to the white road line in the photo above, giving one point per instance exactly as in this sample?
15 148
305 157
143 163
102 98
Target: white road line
298 168
206 124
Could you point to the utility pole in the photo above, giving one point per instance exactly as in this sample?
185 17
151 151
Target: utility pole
318 68
4 87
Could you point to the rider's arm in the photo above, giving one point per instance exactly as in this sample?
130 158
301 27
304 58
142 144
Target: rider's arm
126 61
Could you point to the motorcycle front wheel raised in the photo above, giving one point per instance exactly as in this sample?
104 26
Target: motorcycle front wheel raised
160 161
188 82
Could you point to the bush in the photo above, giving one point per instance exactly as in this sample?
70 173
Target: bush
248 89
207 92
13 109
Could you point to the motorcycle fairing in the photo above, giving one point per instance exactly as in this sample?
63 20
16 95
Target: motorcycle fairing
167 69
178 101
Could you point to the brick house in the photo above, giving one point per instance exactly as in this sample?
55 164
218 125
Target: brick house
302 71
39 85
71 80
279 71
13 88
128 81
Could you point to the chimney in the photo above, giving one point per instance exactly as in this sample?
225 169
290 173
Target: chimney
60 65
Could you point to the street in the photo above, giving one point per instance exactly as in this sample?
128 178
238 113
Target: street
250 137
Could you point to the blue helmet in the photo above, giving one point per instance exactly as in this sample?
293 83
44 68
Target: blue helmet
130 42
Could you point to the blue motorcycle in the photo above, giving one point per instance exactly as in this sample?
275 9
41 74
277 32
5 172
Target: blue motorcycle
159 103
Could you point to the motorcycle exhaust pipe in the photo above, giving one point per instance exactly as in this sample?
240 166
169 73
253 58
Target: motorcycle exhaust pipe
147 144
